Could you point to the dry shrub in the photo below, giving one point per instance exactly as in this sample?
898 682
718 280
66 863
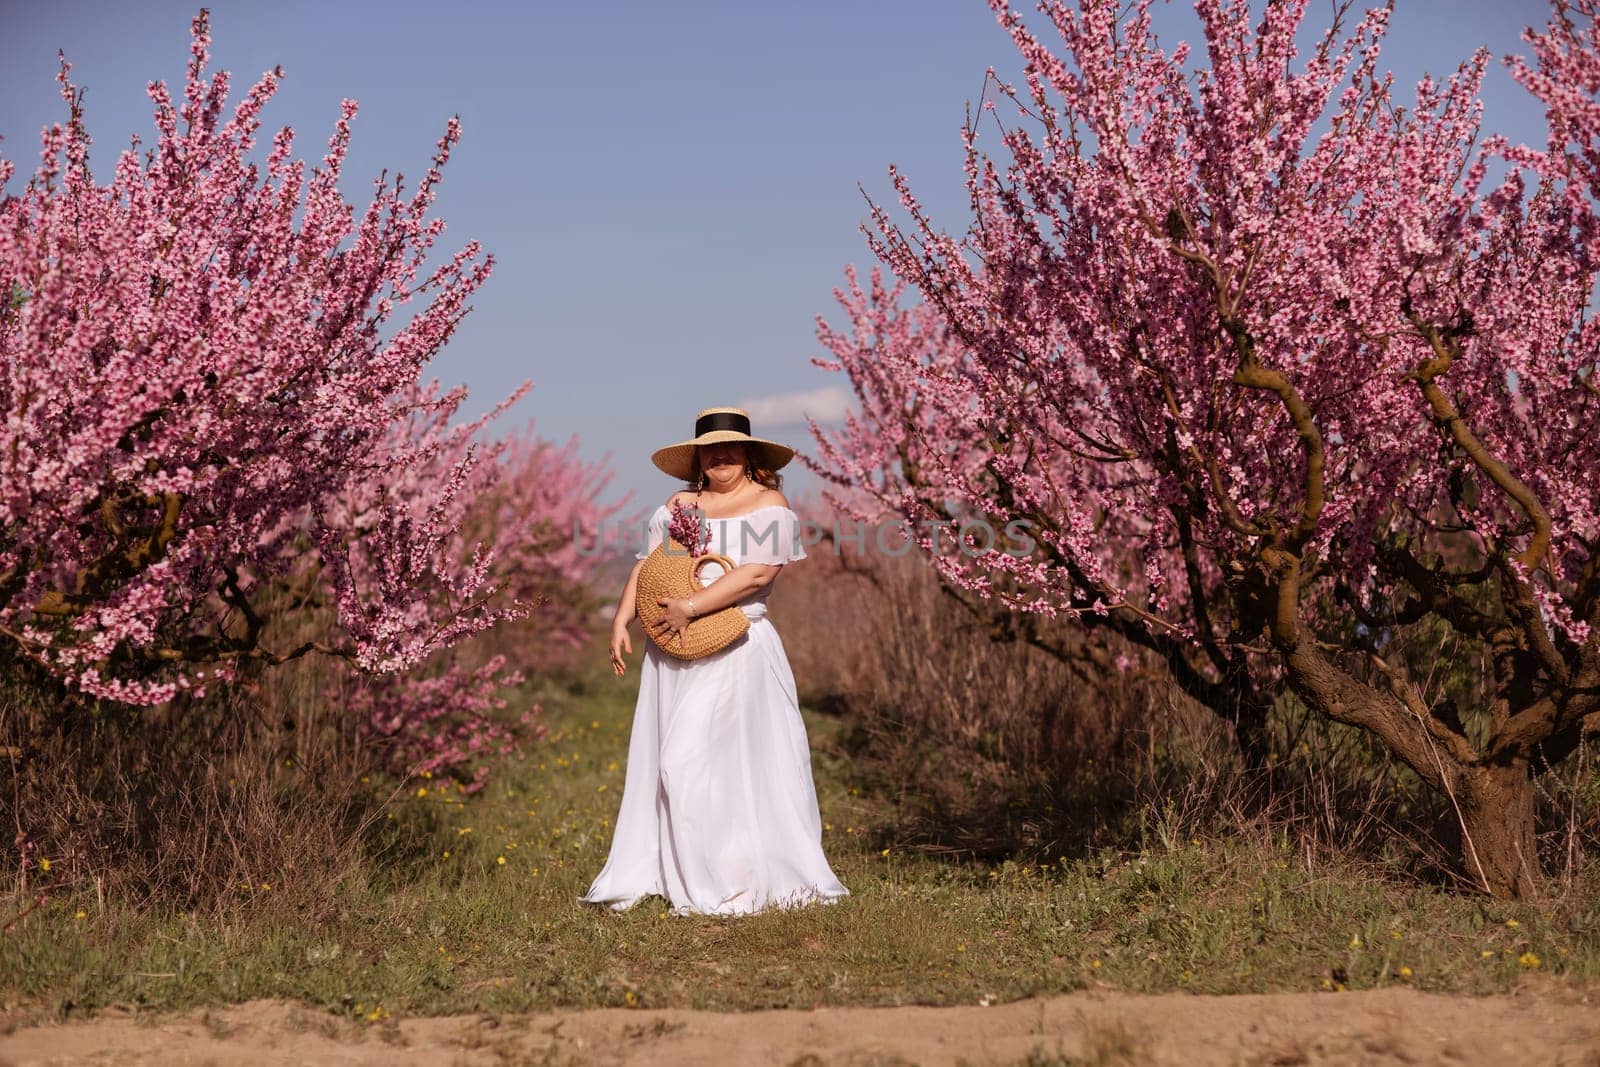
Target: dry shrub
254 792
993 744
997 747
267 781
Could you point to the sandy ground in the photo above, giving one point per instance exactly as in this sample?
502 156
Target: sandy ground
1550 1025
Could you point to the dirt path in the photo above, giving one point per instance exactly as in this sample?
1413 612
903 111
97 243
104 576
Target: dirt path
1553 1025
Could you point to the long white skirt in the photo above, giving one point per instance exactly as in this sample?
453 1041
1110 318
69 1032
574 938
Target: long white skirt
719 811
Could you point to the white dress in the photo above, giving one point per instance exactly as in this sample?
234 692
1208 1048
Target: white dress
719 811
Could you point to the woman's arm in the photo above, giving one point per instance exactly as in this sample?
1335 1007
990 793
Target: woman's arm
734 586
731 588
626 610
621 643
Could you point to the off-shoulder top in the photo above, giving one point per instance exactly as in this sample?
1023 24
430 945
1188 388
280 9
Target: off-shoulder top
769 534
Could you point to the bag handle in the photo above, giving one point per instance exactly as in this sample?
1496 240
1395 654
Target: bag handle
711 557
701 561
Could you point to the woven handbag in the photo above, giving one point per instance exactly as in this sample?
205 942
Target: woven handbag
675 575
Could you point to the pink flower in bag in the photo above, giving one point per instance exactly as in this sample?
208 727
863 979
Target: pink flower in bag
688 530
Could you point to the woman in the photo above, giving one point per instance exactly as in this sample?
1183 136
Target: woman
719 813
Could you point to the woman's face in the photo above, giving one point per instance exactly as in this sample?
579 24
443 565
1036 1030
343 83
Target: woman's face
722 462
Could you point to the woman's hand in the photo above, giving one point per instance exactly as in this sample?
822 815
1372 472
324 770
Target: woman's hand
620 643
674 620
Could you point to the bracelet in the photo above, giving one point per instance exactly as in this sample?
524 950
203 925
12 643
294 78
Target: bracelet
691 608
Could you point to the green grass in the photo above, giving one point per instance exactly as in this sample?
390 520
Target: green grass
470 905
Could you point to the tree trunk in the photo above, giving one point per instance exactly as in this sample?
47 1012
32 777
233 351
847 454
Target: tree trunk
1497 848
1251 734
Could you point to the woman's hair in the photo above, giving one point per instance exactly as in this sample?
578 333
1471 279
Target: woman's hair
752 463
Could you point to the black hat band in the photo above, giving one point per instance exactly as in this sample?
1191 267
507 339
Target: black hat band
722 420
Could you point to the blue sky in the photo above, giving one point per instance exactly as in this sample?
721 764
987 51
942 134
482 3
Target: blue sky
670 189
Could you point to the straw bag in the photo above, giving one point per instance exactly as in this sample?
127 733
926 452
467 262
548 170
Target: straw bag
671 572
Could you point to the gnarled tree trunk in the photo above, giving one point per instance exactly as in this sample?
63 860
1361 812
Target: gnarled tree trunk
1498 849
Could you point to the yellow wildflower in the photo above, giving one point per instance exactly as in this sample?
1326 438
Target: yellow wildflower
1528 960
501 860
44 865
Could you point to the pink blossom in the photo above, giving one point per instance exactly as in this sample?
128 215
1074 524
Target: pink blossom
217 441
1267 361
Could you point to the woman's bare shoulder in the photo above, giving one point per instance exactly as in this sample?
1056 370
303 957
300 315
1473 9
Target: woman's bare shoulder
682 496
773 498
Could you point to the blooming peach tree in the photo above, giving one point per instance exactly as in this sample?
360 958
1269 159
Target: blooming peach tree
209 396
517 506
1276 371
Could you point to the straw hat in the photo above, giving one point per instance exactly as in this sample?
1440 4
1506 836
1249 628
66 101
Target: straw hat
715 425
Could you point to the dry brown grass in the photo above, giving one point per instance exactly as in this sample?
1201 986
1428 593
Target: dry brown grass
252 791
996 747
